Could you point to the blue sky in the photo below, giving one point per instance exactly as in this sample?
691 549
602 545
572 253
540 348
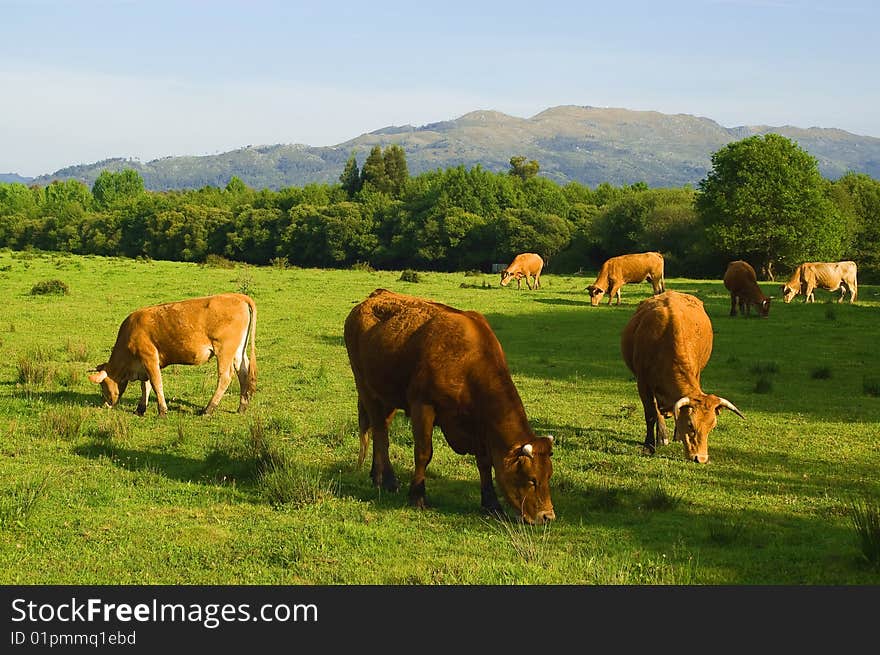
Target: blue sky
86 80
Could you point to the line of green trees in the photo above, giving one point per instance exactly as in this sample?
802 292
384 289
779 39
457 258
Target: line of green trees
763 200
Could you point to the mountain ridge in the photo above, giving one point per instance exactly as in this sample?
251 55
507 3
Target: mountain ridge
578 143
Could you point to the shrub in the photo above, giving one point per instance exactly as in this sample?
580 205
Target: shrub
871 386
865 518
218 261
19 502
409 275
661 499
763 384
65 422
287 484
280 262
821 373
35 368
363 266
50 287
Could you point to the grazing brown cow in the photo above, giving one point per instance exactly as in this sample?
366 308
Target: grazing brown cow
444 367
627 269
742 282
184 332
667 344
524 265
831 276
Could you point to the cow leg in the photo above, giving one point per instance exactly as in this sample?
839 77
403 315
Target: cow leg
422 420
381 471
538 281
145 396
529 282
154 373
488 497
224 377
652 418
842 293
733 304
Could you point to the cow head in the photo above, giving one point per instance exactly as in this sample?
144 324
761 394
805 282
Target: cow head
695 418
789 292
524 479
506 277
110 388
764 307
596 294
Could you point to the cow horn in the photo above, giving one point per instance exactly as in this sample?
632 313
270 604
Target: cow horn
527 450
681 402
549 436
98 377
729 405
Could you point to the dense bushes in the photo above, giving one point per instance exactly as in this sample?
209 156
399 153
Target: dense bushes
453 219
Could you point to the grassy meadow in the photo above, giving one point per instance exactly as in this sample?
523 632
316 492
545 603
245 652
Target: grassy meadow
96 496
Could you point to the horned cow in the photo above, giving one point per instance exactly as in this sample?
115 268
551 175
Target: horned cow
183 332
741 281
525 265
627 269
667 344
444 367
831 276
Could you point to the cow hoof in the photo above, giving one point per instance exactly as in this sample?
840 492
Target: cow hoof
163 413
418 502
207 411
648 450
140 411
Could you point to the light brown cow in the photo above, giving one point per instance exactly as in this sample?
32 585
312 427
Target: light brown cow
444 367
667 344
523 266
831 276
627 269
742 283
184 332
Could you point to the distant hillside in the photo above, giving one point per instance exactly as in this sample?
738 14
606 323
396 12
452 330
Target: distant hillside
9 178
585 144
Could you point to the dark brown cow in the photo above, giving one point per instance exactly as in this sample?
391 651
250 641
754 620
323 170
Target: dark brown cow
627 269
444 367
184 332
742 283
831 276
524 265
667 344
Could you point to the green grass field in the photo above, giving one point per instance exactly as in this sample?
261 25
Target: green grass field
95 496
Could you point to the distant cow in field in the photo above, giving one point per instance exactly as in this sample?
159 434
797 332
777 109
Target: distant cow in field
666 344
184 332
444 367
523 266
742 283
627 269
831 276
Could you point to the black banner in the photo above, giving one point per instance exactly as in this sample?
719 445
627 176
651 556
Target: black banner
377 618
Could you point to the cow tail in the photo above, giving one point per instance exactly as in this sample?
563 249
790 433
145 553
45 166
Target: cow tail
252 337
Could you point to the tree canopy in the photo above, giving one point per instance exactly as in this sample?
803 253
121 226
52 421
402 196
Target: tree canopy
765 201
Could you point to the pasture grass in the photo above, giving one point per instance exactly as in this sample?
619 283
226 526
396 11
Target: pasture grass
274 496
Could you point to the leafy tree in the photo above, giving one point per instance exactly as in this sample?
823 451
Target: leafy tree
764 201
522 168
857 196
396 170
350 178
373 175
112 188
16 198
